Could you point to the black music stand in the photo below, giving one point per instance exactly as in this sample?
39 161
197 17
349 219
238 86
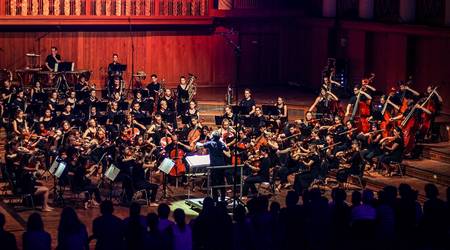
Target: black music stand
61 84
270 110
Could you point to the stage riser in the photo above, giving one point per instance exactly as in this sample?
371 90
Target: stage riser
436 155
427 175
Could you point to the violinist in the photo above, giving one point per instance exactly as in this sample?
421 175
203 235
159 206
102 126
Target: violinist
331 149
67 114
82 183
166 115
19 124
19 101
306 126
311 170
47 119
393 152
247 104
72 99
140 182
261 172
91 130
372 140
356 163
93 114
138 98
157 128
126 163
227 133
52 102
291 164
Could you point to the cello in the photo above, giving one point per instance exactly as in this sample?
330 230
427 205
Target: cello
177 154
409 124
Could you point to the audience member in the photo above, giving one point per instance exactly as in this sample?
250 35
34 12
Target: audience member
7 239
72 234
36 238
108 229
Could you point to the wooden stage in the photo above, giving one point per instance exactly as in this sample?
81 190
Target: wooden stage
434 166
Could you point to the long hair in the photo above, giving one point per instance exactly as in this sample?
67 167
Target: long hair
69 222
35 223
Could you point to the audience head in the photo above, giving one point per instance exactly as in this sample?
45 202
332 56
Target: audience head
367 197
152 222
69 221
135 209
291 199
35 223
405 191
275 207
179 217
338 195
431 191
239 214
356 198
163 211
106 207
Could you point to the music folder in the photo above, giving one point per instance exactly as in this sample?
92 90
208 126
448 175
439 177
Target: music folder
112 172
166 165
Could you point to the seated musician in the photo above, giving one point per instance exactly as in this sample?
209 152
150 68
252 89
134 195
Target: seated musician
72 99
247 104
67 114
372 140
227 133
311 163
330 161
228 114
90 99
19 101
353 157
93 114
138 98
169 100
166 115
7 91
82 183
52 59
52 102
19 124
290 164
91 130
36 92
192 111
47 119
393 152
140 182
131 125
323 104
258 118
137 112
260 173
156 129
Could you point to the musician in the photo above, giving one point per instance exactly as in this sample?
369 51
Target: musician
52 102
82 183
19 124
72 99
115 88
131 125
169 100
405 93
166 115
312 170
91 130
182 96
282 109
67 114
372 140
112 73
261 173
229 115
52 59
126 164
93 114
434 106
227 133
192 111
391 153
247 104
137 112
356 163
139 183
36 92
7 92
363 96
217 151
258 119
324 104
47 119
19 101
306 126
153 87
156 129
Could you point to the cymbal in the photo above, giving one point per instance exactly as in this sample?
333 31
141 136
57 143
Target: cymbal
32 55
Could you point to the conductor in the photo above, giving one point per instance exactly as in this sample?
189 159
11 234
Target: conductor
217 150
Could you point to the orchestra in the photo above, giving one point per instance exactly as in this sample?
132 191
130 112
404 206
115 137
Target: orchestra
136 134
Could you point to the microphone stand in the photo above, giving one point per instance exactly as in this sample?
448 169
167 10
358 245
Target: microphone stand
237 56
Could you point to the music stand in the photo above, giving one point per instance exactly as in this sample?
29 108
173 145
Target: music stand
237 109
165 167
270 110
57 169
61 84
64 66
112 172
119 67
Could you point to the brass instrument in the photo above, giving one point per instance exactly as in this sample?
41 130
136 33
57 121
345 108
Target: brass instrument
191 86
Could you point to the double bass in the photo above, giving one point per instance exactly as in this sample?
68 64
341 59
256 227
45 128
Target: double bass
409 124
386 124
363 107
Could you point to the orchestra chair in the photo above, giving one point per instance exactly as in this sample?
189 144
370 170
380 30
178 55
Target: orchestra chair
397 166
141 193
268 187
